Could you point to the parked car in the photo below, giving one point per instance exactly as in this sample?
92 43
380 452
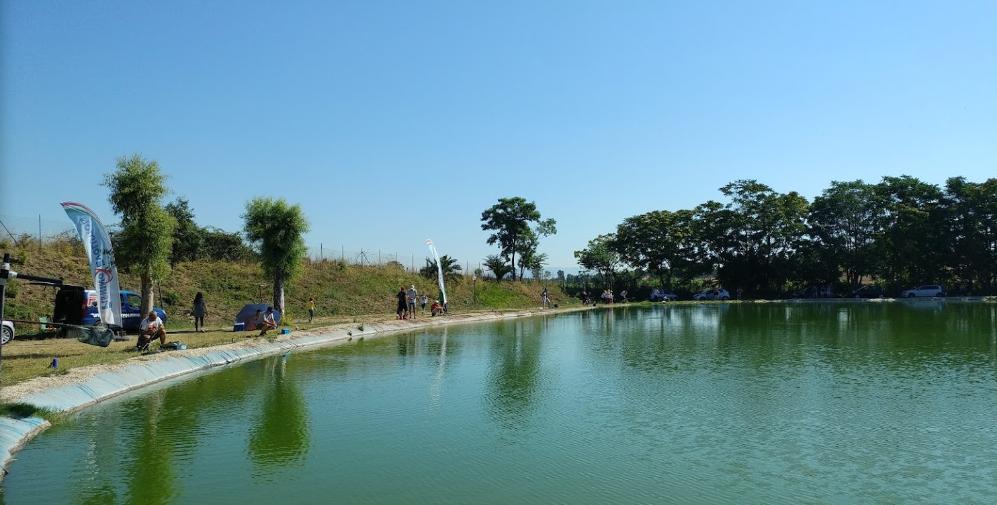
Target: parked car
663 295
868 291
712 294
131 310
8 332
824 291
929 290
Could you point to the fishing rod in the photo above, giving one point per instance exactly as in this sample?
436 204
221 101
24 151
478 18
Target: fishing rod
6 274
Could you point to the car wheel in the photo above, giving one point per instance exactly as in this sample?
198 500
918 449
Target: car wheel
7 336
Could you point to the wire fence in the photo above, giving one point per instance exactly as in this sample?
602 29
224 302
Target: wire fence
33 231
24 231
410 262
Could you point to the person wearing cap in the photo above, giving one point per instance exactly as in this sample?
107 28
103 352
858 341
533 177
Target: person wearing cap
412 296
151 327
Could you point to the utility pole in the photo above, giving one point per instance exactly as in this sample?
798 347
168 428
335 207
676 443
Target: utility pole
39 233
321 253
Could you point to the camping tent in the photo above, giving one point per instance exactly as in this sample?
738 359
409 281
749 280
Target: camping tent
248 312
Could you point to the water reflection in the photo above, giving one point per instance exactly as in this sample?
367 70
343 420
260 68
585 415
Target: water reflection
280 435
777 403
515 371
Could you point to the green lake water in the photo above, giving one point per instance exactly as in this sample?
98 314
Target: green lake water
726 404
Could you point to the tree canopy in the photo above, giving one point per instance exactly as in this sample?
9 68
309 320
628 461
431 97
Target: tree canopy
276 228
145 239
899 232
509 221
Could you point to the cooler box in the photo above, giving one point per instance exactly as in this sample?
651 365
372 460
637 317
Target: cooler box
239 327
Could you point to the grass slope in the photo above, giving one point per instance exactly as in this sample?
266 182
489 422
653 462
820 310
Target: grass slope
340 290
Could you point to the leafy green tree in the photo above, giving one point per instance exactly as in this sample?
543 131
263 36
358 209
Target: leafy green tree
600 255
911 242
971 225
753 240
145 239
450 266
843 226
498 266
275 228
187 236
509 221
220 245
659 242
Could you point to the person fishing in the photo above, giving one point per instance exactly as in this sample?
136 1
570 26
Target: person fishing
151 327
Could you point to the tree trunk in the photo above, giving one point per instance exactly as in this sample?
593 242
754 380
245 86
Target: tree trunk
512 262
147 301
278 293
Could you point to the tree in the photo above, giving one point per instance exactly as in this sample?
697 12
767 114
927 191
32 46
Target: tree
220 245
509 221
498 266
912 231
659 242
145 240
971 226
843 226
600 255
450 266
187 237
275 228
753 240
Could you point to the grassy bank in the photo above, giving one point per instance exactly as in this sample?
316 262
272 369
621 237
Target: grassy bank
346 295
340 290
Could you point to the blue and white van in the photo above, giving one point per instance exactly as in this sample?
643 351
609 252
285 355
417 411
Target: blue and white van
131 310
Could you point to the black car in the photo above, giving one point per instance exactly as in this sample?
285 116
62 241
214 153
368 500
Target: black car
868 291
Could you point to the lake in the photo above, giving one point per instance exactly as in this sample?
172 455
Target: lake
685 404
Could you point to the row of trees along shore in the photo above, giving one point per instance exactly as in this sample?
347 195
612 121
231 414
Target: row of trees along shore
898 233
153 236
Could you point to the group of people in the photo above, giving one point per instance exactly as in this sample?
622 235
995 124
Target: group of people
607 297
409 299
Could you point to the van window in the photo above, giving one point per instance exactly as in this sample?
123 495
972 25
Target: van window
133 300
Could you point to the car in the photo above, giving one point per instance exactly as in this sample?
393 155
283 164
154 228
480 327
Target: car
928 290
663 295
131 315
712 294
868 291
8 332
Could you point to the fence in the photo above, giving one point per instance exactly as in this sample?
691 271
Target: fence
411 261
25 231
31 231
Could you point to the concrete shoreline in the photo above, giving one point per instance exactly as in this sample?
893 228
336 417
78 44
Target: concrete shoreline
88 386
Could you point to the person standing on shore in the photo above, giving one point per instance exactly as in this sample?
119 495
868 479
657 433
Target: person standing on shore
545 299
200 309
311 309
413 295
425 300
402 302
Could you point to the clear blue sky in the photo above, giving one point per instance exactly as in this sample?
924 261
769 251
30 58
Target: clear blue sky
390 122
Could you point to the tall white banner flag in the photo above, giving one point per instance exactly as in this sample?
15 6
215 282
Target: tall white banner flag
97 244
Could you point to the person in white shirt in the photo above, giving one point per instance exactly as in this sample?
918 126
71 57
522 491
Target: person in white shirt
269 322
413 295
151 327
